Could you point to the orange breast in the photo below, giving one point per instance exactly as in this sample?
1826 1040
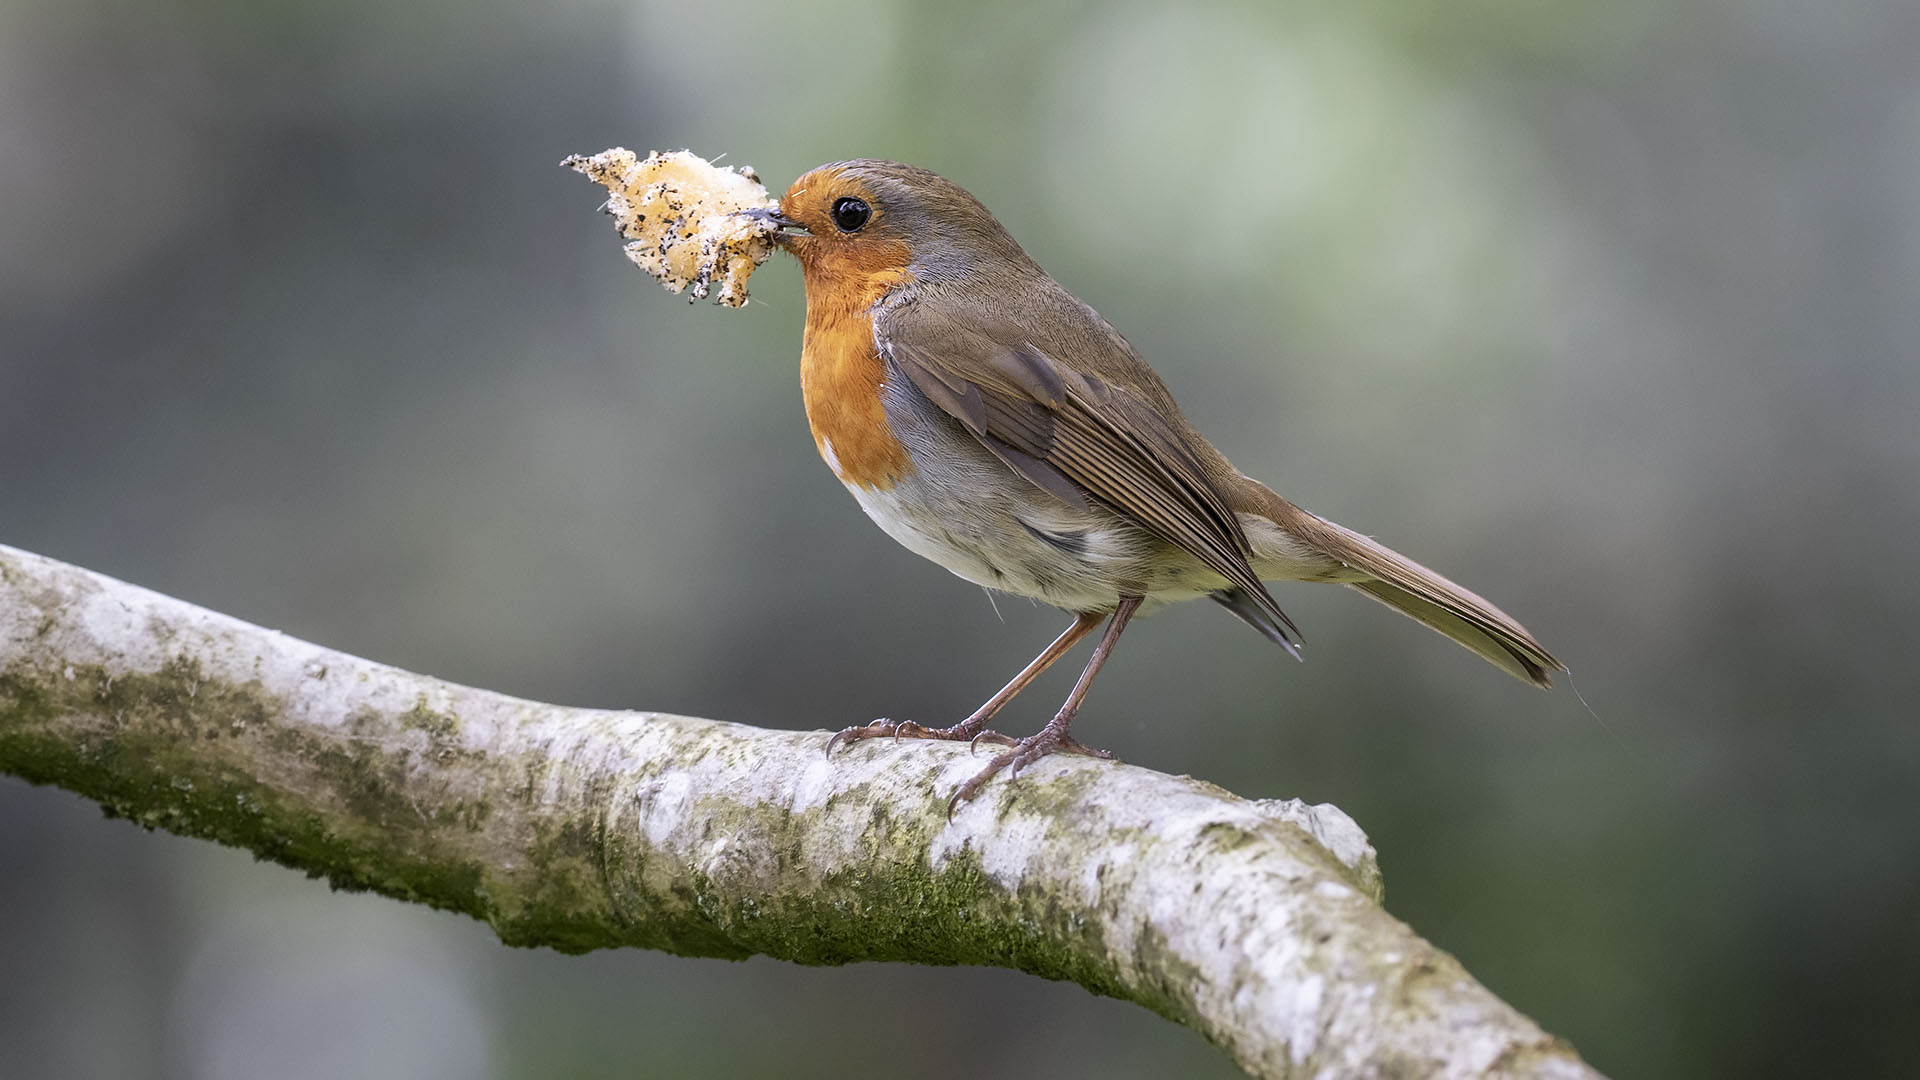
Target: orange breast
840 376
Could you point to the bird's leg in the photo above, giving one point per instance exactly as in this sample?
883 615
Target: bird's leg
971 727
1054 736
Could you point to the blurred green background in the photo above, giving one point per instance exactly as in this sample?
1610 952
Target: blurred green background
1610 311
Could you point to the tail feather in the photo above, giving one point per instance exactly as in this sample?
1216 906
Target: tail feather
1521 658
1412 589
1419 593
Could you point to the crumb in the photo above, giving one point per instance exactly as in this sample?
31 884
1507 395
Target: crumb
681 216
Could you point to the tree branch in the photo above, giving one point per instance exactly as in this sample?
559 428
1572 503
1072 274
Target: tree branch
1257 924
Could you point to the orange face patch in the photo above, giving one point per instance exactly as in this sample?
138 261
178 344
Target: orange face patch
841 371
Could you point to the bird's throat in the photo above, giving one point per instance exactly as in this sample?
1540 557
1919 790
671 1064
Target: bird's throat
842 375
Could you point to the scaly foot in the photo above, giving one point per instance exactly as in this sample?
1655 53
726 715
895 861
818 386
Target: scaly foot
1052 738
968 730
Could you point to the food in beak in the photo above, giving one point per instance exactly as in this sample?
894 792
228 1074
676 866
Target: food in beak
687 220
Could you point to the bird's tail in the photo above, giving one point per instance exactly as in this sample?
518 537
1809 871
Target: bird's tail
1419 593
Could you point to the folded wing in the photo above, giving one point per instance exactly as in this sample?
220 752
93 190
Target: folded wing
1079 436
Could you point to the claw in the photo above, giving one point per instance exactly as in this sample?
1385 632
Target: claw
862 731
992 737
966 791
1075 746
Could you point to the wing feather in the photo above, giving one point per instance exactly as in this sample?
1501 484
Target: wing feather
1071 433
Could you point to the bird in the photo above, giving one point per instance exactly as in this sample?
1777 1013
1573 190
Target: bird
990 421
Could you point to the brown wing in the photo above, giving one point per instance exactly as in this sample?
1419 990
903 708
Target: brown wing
1078 435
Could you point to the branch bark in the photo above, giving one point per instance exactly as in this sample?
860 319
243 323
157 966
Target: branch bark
1257 923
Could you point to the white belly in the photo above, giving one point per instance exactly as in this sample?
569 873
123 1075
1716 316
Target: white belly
1008 535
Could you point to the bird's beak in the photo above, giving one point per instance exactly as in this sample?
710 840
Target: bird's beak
787 226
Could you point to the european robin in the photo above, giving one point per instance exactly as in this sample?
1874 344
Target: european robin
995 424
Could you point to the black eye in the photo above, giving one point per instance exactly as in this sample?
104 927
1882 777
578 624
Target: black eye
850 213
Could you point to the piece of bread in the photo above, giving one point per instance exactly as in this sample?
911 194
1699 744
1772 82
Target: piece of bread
681 216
